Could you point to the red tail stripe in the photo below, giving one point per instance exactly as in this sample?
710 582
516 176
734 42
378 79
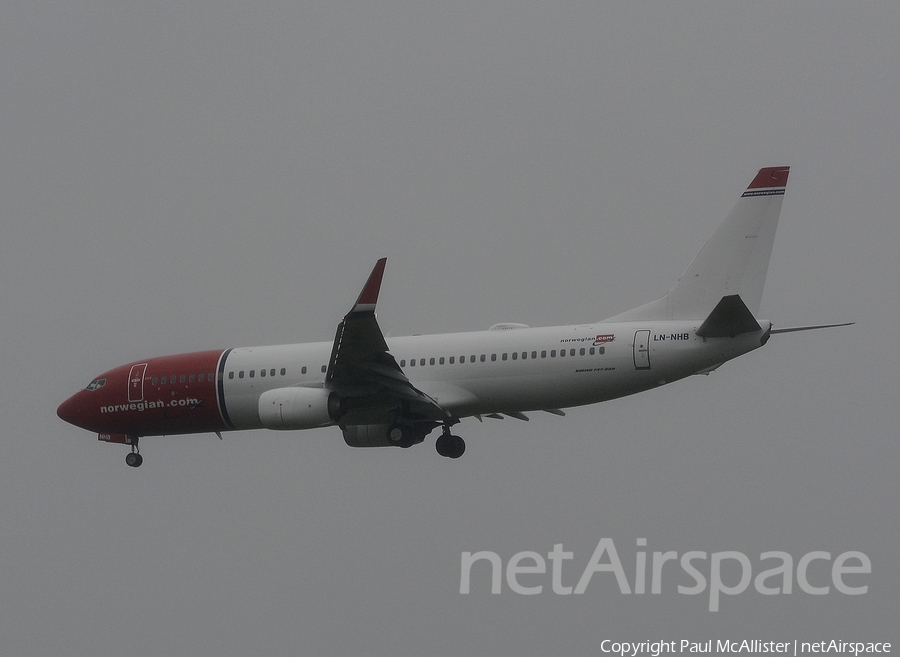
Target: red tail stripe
771 177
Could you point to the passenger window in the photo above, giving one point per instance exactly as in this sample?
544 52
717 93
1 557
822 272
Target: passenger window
482 358
422 362
524 355
324 369
154 381
191 378
201 377
441 360
452 359
462 359
302 370
515 355
412 362
571 352
272 372
503 357
534 354
403 363
431 362
562 353
252 373
493 357
582 351
472 358
543 354
553 353
181 379
283 371
591 352
230 375
602 350
241 374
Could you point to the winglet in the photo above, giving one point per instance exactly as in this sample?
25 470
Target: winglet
369 295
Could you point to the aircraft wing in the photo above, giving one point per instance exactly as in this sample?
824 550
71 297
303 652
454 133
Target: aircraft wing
362 370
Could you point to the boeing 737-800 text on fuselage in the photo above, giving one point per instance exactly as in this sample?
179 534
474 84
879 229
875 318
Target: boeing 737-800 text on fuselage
395 391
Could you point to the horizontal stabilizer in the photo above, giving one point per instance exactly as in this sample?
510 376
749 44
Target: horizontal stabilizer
729 318
794 329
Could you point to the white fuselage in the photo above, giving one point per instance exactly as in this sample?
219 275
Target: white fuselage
503 370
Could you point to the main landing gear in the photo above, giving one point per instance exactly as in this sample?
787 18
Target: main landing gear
449 445
402 435
134 459
407 435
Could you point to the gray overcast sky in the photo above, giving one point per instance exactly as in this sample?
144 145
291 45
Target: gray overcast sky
181 176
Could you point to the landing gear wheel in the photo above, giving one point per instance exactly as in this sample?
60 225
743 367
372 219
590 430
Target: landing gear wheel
134 459
450 446
401 435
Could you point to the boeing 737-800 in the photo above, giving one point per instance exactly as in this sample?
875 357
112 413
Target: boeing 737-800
395 391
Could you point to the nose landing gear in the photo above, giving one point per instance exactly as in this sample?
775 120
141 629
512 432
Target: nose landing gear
134 459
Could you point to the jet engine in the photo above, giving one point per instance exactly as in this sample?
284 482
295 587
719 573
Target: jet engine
298 408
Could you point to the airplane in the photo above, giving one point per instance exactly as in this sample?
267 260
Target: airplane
395 391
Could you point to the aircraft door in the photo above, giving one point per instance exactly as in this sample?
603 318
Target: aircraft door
642 350
136 382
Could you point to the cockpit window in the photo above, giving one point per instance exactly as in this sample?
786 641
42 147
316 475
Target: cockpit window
95 384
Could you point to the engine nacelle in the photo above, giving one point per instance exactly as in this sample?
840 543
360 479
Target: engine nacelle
298 408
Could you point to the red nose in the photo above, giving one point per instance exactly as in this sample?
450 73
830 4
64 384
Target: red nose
71 411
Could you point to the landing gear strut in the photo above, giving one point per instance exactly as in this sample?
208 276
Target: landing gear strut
449 445
134 459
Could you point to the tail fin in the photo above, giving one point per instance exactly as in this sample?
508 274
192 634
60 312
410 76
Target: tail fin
733 262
